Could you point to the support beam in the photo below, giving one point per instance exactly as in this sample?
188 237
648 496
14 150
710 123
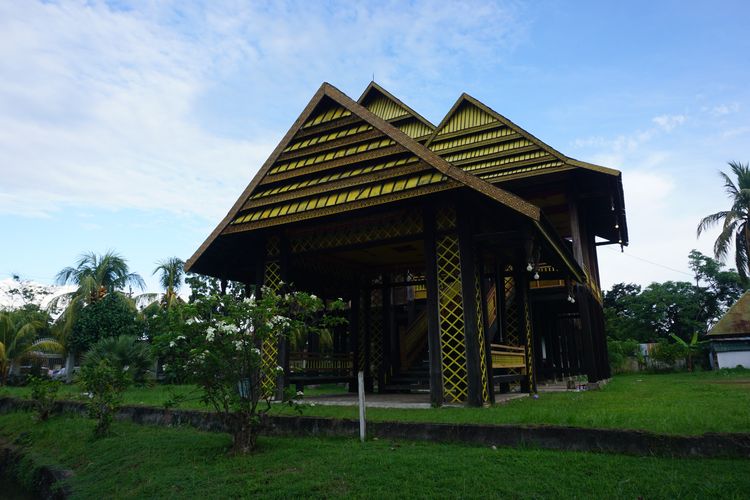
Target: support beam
472 319
432 312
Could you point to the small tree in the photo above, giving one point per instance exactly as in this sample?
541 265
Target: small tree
104 384
226 345
44 393
694 347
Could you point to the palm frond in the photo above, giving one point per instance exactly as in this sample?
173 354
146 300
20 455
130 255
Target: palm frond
711 220
724 240
729 186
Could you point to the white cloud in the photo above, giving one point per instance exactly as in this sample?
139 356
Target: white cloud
723 109
99 107
669 122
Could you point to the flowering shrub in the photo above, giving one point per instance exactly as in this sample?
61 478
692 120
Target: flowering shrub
44 392
225 336
104 383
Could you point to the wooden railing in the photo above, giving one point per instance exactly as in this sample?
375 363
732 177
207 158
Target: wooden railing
328 364
507 356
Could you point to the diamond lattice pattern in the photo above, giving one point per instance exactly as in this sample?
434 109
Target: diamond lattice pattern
270 351
451 319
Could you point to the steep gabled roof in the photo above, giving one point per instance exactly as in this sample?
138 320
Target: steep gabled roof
339 156
391 109
485 143
736 321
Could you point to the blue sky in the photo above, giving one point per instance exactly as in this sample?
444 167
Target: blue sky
135 125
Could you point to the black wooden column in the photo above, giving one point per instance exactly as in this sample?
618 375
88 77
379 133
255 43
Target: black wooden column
354 329
432 312
386 332
588 348
486 349
468 294
521 279
367 337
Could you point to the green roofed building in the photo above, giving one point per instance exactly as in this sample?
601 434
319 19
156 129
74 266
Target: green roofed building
467 250
730 336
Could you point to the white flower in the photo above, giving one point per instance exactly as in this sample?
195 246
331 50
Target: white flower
190 321
171 343
249 300
312 296
238 345
312 404
164 367
256 351
300 393
180 337
125 368
279 369
210 331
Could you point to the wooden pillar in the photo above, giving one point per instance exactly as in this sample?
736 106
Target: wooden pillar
527 328
486 349
588 348
432 311
473 323
386 332
354 338
367 330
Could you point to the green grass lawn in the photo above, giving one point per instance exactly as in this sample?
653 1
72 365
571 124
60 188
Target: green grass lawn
155 462
676 403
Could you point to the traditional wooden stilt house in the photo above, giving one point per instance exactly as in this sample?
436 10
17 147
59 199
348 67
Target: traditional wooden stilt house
467 250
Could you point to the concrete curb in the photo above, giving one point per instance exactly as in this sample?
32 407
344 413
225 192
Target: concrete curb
551 437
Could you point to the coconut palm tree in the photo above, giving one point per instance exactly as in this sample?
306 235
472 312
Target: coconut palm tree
170 271
95 276
19 339
735 228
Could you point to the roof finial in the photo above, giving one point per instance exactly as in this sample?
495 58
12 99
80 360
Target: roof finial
373 77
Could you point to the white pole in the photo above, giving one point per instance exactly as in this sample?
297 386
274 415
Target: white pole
361 380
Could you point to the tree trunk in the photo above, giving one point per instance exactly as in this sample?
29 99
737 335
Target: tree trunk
69 364
245 438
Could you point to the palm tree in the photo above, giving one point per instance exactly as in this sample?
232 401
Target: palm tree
95 276
18 339
734 221
170 271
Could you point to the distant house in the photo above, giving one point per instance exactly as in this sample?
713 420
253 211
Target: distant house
730 337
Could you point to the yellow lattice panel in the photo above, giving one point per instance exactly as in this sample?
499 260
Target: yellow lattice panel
513 318
270 348
445 219
375 190
405 225
336 176
327 115
529 346
319 139
330 155
484 372
455 387
385 108
465 117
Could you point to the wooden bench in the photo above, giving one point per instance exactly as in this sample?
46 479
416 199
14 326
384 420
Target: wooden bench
508 357
310 368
